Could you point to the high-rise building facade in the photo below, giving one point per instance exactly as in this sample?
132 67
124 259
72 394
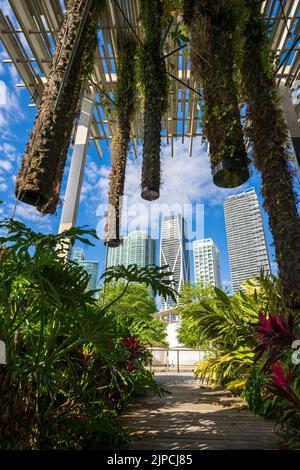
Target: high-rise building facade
245 237
207 268
174 253
137 248
78 254
91 267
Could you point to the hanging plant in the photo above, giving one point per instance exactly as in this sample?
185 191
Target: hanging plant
269 136
212 27
125 101
153 85
39 179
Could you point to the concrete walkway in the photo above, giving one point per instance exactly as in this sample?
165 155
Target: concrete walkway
195 417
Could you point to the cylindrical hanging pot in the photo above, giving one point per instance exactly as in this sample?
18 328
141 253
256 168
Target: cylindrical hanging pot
154 86
212 25
125 101
269 137
39 179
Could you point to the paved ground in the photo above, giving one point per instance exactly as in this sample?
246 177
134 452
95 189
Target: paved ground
195 417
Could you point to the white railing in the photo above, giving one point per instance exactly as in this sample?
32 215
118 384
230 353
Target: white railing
176 358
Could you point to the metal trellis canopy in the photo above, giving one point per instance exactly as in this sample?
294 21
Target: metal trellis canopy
29 34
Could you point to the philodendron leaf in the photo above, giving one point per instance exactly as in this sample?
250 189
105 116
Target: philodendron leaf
157 277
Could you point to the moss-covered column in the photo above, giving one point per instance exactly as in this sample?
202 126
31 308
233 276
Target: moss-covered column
154 87
40 176
269 136
212 27
125 100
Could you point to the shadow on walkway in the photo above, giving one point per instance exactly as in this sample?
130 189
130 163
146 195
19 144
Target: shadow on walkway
193 416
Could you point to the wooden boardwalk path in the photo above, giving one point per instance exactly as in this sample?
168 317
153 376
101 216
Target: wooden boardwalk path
195 417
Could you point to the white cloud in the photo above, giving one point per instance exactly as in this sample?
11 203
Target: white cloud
3 187
10 108
185 180
6 165
91 171
29 213
3 93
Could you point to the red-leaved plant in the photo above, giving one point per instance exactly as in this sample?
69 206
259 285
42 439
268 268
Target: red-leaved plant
274 333
135 350
280 384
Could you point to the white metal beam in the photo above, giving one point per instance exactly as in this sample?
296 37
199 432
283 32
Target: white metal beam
75 177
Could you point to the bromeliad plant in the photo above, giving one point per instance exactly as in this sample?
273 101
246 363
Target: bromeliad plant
41 172
214 29
153 85
64 380
125 103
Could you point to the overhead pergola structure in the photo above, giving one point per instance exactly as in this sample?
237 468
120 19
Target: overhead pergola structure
30 33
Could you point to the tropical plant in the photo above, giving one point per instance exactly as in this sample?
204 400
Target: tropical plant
41 172
269 136
188 333
251 336
153 85
274 333
133 313
214 31
227 324
67 366
125 100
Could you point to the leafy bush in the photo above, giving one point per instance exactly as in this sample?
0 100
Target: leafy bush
251 336
66 375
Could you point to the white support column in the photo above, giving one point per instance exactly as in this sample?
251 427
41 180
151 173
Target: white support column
74 184
292 123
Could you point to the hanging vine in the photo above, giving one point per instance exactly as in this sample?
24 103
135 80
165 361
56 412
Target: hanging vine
269 136
153 85
213 26
125 104
40 176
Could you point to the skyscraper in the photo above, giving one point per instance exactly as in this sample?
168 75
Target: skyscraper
245 237
78 254
173 252
207 262
91 267
137 248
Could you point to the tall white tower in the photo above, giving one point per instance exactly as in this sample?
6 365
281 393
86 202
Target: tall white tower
174 253
245 237
207 262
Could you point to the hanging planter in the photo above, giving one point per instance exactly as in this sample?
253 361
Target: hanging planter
125 101
269 137
212 26
153 85
39 179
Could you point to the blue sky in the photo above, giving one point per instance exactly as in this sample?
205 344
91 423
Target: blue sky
185 180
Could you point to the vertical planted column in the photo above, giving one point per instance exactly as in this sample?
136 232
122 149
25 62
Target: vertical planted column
39 179
269 136
125 100
154 89
213 26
